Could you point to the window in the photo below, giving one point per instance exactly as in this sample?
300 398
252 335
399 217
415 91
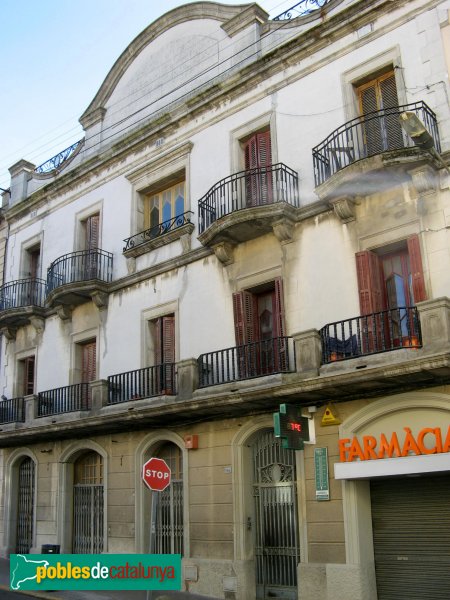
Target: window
26 374
258 159
391 279
33 262
260 329
88 362
164 205
162 332
91 231
381 131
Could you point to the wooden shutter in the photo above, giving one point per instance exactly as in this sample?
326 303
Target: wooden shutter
164 344
34 257
28 384
92 232
245 312
88 362
279 316
258 155
371 297
415 260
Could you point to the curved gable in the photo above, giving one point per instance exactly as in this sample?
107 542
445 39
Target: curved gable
161 53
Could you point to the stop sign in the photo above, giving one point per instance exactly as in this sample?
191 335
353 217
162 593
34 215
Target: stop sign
156 474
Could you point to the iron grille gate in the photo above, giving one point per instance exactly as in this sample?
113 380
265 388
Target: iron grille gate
168 527
277 550
25 507
87 519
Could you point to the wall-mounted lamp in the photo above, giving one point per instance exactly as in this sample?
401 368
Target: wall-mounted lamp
420 135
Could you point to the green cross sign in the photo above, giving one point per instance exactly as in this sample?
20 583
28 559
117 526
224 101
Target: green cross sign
291 427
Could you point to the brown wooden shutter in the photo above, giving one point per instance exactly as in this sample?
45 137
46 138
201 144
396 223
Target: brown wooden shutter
92 232
88 362
415 260
371 297
258 154
279 316
168 335
29 375
245 325
164 345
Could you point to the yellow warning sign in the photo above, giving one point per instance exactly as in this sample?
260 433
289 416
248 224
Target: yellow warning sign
329 418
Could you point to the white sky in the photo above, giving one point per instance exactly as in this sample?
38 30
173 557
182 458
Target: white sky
54 55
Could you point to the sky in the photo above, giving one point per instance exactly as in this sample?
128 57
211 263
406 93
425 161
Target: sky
54 55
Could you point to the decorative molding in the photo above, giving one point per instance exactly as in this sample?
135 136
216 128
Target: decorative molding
9 333
64 312
344 208
185 240
424 179
283 230
38 323
131 265
252 14
100 299
224 252
162 160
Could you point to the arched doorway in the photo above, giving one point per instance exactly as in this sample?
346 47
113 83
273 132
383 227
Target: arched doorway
276 531
88 504
167 509
25 506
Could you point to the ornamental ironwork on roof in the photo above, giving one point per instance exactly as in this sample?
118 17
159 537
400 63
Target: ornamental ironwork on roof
56 161
302 8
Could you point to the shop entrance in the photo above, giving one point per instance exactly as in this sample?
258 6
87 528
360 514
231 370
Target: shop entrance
411 535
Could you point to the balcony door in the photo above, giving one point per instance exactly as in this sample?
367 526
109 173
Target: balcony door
381 129
390 279
164 352
88 504
258 160
260 330
25 506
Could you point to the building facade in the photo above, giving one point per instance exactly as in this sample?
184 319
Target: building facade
246 223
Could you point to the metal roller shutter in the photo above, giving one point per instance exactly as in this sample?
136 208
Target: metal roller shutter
411 535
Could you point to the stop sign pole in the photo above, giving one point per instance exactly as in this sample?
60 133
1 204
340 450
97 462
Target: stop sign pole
156 475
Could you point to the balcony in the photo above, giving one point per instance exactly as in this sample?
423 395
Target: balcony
160 235
62 400
248 204
142 383
12 411
20 301
79 276
256 359
383 331
367 136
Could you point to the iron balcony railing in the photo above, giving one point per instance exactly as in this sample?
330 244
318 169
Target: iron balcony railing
82 265
142 383
23 292
301 9
370 334
267 357
64 400
158 230
373 133
12 410
247 189
56 161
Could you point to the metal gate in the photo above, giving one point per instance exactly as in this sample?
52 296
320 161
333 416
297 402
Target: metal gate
87 519
411 535
25 507
277 551
168 527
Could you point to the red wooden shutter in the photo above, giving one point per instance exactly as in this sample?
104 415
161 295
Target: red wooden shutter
92 232
258 154
279 319
245 325
264 149
29 375
88 365
415 260
371 297
168 336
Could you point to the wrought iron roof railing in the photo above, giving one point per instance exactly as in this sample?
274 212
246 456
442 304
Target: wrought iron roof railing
302 8
56 161
368 135
79 266
248 189
23 292
157 231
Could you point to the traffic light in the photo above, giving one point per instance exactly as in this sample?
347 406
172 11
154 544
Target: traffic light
291 427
